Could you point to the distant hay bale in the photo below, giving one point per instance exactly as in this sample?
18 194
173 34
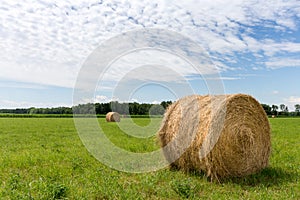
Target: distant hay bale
113 117
223 136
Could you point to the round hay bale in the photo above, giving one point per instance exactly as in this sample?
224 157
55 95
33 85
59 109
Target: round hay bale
113 117
223 136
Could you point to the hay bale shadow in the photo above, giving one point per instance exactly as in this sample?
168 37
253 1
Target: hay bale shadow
191 172
271 176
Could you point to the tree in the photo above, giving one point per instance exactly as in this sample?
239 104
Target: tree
32 110
297 108
106 108
156 109
133 108
267 108
282 107
286 110
165 104
274 109
144 109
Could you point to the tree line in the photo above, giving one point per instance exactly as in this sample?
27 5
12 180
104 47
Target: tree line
97 108
132 109
281 110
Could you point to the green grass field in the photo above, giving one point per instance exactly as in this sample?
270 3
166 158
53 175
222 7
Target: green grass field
43 158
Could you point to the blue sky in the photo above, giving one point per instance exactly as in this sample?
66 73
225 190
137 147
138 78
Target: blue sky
255 45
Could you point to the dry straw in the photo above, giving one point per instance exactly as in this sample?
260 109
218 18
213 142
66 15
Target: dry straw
113 117
227 135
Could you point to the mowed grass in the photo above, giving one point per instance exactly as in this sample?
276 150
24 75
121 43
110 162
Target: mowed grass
43 158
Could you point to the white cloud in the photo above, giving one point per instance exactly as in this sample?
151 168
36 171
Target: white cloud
291 102
101 98
96 99
9 104
135 100
46 42
37 72
154 65
283 62
155 102
270 47
293 99
13 85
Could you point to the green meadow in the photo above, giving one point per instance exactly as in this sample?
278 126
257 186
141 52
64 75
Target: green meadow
44 158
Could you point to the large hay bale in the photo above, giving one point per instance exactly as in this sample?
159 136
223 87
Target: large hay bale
113 117
223 136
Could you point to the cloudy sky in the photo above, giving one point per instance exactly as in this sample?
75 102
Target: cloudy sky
254 45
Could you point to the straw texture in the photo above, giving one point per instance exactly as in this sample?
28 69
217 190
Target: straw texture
227 135
113 117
